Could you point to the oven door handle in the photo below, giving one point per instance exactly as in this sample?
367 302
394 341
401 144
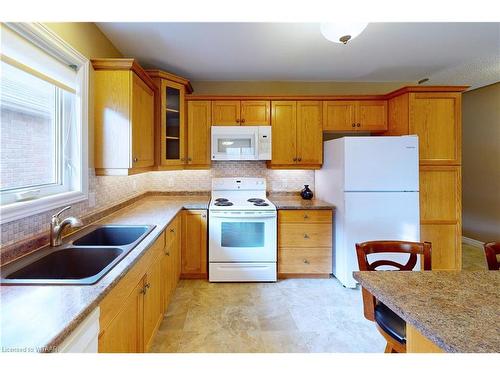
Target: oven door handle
242 216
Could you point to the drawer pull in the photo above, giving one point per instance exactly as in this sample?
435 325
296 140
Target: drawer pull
306 217
306 235
147 286
167 253
172 230
306 261
143 291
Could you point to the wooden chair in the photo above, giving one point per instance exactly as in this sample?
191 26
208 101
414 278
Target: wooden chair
491 250
388 323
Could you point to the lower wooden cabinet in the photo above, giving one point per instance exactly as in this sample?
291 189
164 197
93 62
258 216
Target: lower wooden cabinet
124 333
132 312
304 243
194 244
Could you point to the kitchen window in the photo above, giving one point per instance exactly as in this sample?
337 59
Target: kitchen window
43 104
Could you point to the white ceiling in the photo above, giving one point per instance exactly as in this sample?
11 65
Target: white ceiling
467 52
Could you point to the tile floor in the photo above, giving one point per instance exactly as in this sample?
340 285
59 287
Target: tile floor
297 315
300 315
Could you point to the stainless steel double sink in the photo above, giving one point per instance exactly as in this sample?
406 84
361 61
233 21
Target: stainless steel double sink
83 260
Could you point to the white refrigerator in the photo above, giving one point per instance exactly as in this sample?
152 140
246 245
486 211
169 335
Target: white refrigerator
373 183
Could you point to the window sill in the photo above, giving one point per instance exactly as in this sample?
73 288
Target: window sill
21 210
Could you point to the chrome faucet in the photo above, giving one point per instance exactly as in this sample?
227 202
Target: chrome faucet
57 226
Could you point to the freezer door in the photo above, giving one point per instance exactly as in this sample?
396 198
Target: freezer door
381 163
372 217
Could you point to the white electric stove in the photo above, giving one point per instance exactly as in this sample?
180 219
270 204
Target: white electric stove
242 231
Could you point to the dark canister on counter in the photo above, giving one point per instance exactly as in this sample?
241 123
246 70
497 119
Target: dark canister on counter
306 193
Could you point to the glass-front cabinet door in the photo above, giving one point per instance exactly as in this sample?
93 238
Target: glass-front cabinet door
172 124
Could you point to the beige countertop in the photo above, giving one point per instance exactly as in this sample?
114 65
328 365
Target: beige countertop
457 310
295 202
39 318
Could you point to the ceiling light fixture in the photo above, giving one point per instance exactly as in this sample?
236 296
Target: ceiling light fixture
342 32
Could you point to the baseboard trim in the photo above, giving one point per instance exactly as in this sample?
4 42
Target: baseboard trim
472 242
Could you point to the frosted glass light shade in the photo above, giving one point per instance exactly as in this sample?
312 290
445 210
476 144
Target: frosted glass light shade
342 32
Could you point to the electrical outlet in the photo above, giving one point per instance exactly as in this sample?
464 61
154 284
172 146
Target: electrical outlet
92 202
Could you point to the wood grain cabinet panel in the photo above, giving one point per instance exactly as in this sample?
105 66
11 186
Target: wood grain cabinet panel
436 119
194 244
305 216
198 133
309 133
284 132
446 245
339 115
255 112
305 261
310 235
124 332
226 112
371 115
142 124
440 193
153 309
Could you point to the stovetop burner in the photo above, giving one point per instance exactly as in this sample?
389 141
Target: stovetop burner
222 200
223 203
261 204
256 200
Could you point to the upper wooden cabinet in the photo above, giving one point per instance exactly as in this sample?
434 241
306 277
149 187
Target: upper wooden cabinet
244 112
297 134
170 119
198 134
355 115
436 119
123 117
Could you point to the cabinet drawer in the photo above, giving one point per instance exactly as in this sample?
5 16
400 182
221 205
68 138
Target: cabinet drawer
306 261
305 216
172 231
305 235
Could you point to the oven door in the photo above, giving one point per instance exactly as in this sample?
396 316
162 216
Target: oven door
242 236
234 143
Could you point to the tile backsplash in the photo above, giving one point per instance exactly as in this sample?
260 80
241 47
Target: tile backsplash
106 191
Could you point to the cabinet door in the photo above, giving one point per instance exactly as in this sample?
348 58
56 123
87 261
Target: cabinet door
194 244
165 276
284 132
436 119
198 133
255 112
446 244
309 133
142 124
124 333
152 302
339 115
172 124
372 115
226 112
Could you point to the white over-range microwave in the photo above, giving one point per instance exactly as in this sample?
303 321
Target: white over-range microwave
241 142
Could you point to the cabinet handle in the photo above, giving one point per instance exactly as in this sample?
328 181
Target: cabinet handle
167 253
143 291
353 125
147 286
136 160
242 120
306 261
172 230
203 215
189 159
306 235
359 125
300 159
237 120
306 217
294 159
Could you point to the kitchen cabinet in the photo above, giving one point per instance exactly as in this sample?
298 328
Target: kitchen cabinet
132 311
304 243
241 112
170 122
194 244
435 117
123 117
170 262
355 115
297 134
198 130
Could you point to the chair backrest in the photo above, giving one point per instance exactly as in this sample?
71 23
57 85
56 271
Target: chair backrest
491 251
378 247
414 249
